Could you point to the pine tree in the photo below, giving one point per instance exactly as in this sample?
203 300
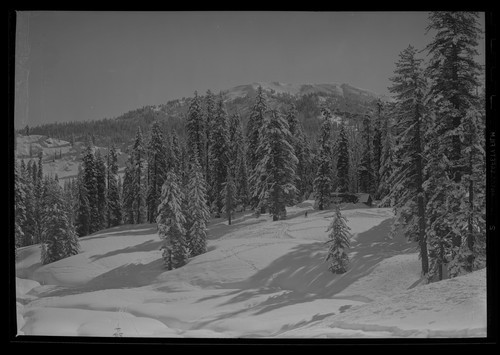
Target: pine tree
102 203
82 222
255 122
138 184
377 147
339 243
38 197
197 209
229 193
210 113
157 167
19 207
365 169
219 156
171 223
114 205
59 237
343 161
454 78
274 175
407 179
323 184
128 194
386 159
195 127
91 186
29 227
301 149
236 160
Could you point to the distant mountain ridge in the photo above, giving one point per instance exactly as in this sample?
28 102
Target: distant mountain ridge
334 89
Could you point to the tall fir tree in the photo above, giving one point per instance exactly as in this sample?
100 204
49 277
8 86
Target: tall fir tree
29 226
138 158
90 182
157 167
82 214
102 202
209 114
365 168
197 209
386 158
323 184
407 179
339 243
59 236
377 146
274 175
171 221
343 160
195 127
128 193
454 79
255 122
219 156
114 204
19 207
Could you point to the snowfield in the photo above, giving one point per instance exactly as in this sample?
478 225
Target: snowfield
258 279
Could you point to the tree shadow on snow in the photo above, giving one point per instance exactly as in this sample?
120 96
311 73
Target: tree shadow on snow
123 231
304 271
148 245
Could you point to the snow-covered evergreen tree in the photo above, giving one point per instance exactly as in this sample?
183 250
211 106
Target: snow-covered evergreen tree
454 78
19 207
29 226
365 168
59 236
407 178
138 158
229 193
386 159
377 147
102 203
90 182
197 209
114 203
128 194
171 221
209 117
323 184
343 160
338 242
156 167
274 175
255 122
195 127
219 156
82 222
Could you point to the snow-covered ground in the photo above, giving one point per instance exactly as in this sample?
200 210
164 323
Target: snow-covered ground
258 279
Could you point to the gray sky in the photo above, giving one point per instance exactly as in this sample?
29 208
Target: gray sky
76 66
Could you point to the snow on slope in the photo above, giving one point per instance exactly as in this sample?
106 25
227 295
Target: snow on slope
258 279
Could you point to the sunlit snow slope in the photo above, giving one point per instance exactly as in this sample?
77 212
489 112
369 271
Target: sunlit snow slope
258 279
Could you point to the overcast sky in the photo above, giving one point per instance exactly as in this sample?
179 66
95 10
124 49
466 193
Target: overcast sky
92 65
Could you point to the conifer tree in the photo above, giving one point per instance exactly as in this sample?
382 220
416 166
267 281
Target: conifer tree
82 215
323 184
157 167
407 179
454 77
102 203
114 205
19 207
229 193
365 169
38 197
377 147
255 122
90 182
274 175
171 221
386 159
128 194
197 209
29 203
343 160
195 127
339 243
236 160
210 112
219 156
59 237
301 149
138 184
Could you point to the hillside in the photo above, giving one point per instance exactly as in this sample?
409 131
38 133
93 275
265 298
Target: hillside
258 279
345 100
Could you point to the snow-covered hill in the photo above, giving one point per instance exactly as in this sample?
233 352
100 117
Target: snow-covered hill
258 279
333 89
